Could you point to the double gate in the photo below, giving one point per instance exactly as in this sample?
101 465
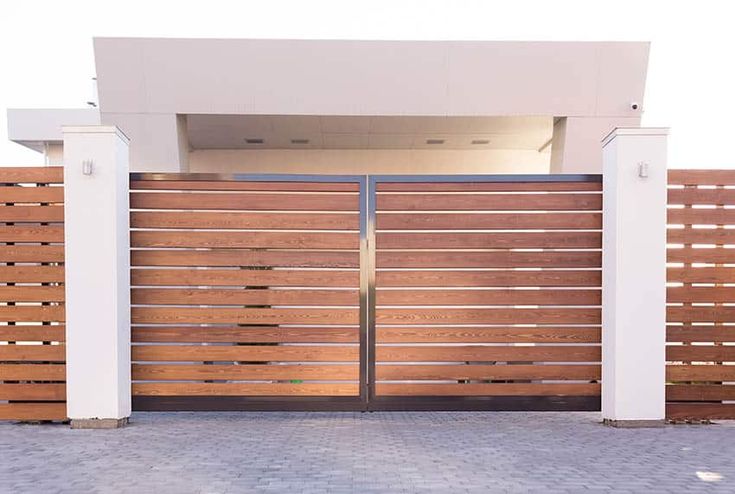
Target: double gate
365 293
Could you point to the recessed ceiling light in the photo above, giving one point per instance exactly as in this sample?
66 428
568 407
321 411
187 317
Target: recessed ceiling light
480 141
434 141
251 140
299 141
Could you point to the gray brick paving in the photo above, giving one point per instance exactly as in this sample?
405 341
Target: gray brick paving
310 453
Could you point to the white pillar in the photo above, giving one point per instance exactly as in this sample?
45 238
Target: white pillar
97 238
634 277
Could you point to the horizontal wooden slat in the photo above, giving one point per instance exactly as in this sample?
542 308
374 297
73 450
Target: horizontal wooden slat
700 392
700 353
700 372
31 253
246 258
700 333
699 216
700 411
457 240
205 315
24 293
239 353
32 333
700 236
19 195
172 296
390 389
244 220
488 316
31 274
691 196
701 177
699 294
692 255
485 202
477 186
198 372
32 372
251 389
239 334
478 353
700 275
244 277
33 392
223 184
32 353
488 335
487 372
700 314
32 411
22 313
31 174
21 214
244 201
499 259
503 221
264 240
488 278
32 233
488 297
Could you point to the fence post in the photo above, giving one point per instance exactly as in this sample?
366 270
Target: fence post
97 238
634 277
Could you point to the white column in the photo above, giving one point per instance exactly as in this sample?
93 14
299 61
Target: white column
634 277
97 238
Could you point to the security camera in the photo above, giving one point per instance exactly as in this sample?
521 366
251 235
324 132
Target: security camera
634 105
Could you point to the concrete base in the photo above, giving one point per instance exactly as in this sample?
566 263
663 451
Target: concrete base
99 423
633 424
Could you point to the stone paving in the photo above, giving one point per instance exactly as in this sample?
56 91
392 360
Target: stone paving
438 452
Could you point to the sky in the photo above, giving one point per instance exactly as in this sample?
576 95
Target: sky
46 57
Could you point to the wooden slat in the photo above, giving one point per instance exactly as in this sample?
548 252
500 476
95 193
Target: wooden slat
699 392
24 293
197 372
244 277
471 186
250 334
486 202
457 240
199 353
242 185
244 201
171 296
700 353
488 278
708 255
701 177
237 239
31 174
32 372
33 411
20 214
698 294
701 275
488 297
386 389
488 316
499 259
478 353
18 195
700 372
488 335
700 314
700 411
211 315
700 236
32 333
244 220
32 233
22 313
31 253
246 258
251 389
699 216
700 333
31 353
487 372
691 196
503 221
33 392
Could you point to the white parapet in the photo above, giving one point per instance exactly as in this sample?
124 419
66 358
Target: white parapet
634 277
97 242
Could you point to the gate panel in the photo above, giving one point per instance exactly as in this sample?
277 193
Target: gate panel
486 292
246 292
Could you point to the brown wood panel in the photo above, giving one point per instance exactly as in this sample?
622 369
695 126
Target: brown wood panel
31 174
240 334
478 353
700 333
488 316
18 194
689 255
699 216
700 314
458 240
33 392
198 372
495 389
699 392
223 184
486 202
32 253
241 353
691 196
487 186
488 335
32 274
700 372
18 332
244 220
212 296
700 411
488 278
32 411
700 353
237 257
488 297
244 201
22 313
503 221
237 239
691 274
487 372
499 259
32 233
24 293
244 277
22 214
250 389
699 294
701 177
205 315
700 236
30 353
32 372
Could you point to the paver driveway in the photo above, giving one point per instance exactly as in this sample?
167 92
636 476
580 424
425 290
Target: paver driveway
369 452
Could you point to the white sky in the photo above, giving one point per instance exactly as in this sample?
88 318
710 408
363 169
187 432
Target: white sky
46 57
